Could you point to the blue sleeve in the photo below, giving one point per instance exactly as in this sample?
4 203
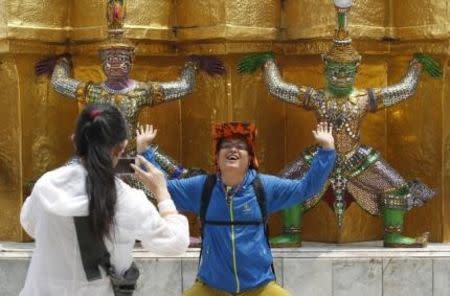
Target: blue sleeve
284 193
149 155
168 166
186 193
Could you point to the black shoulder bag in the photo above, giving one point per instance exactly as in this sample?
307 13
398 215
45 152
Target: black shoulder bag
94 254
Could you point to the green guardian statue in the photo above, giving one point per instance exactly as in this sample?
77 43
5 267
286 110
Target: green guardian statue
360 170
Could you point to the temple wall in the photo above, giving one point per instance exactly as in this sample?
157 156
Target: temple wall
36 123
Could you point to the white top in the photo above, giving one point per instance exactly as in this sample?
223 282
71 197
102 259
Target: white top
47 215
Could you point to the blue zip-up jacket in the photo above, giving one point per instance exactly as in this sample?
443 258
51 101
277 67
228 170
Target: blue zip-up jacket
237 258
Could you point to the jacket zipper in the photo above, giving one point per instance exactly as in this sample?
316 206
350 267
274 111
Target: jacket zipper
233 242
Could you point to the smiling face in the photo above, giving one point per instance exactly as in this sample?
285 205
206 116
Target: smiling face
233 155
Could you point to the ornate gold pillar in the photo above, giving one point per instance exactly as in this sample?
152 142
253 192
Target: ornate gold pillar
10 150
446 153
227 19
421 19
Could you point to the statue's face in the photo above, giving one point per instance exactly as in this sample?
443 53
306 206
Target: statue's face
340 77
117 63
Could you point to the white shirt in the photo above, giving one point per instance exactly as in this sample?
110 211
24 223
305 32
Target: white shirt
47 215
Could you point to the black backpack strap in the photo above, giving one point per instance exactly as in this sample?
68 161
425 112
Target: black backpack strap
206 197
260 197
92 250
204 203
262 202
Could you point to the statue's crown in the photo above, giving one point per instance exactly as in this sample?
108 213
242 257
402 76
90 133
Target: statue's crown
342 51
115 16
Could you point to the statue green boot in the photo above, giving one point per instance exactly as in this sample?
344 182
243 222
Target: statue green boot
394 209
291 236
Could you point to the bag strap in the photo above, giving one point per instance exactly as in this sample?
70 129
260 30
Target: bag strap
260 197
262 201
206 197
204 203
92 250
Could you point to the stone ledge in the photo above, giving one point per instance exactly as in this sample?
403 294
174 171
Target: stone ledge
315 269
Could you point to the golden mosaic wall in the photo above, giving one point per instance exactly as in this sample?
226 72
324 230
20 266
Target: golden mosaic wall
414 137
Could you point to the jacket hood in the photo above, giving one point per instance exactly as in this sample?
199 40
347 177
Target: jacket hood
62 191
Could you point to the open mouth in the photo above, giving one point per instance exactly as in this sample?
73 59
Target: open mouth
232 157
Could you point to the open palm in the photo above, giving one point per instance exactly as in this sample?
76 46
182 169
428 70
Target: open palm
323 134
144 137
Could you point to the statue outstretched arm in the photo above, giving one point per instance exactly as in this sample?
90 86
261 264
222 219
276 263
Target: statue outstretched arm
167 91
391 95
285 91
161 92
59 67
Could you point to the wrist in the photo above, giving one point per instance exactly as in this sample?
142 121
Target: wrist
141 148
162 195
166 206
328 146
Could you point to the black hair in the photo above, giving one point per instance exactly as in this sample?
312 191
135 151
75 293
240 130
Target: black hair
99 128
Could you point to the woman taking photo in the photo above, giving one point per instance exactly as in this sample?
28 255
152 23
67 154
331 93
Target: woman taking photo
116 213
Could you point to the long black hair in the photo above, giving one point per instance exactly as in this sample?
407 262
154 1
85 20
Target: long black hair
100 127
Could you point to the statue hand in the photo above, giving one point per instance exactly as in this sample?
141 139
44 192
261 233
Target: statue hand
47 65
252 62
323 135
210 64
144 137
429 64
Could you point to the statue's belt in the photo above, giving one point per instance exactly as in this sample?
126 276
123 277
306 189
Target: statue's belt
351 166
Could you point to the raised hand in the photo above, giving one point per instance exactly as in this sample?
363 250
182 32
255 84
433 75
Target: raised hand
210 64
323 135
151 177
144 137
47 65
429 64
252 62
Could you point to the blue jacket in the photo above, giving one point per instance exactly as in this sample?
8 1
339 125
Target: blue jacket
237 258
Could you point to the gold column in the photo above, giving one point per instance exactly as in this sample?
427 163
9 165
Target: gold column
44 20
87 20
421 19
10 150
446 153
227 19
3 20
151 19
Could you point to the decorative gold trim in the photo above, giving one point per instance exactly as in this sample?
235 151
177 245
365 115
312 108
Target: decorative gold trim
292 229
393 228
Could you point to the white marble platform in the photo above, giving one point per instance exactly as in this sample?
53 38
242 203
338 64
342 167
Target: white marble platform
314 270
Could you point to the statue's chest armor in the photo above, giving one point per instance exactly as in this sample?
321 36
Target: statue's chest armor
128 103
342 115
